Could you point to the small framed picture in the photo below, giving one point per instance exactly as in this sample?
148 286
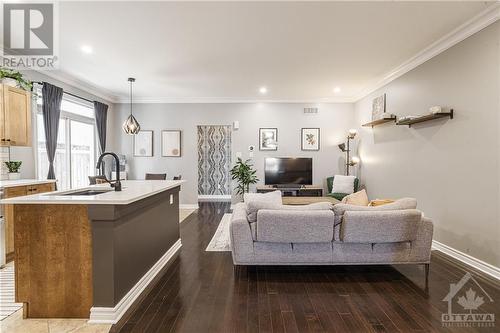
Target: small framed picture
143 144
310 138
378 107
171 143
268 139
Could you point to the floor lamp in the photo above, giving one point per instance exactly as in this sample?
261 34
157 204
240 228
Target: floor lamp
346 149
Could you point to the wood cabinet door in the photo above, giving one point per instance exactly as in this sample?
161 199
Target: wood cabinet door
42 188
17 110
11 192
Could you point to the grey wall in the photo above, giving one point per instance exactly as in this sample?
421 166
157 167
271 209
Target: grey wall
450 166
27 154
333 119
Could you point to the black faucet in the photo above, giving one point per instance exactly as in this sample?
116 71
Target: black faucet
117 185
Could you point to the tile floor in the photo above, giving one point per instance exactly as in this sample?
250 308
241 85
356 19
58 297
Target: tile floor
16 324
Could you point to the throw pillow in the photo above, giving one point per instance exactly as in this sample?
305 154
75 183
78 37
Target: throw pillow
380 202
359 198
273 197
343 184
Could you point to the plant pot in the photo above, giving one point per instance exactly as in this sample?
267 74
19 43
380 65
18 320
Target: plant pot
10 82
14 175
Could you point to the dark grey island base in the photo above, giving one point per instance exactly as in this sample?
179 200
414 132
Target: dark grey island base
128 240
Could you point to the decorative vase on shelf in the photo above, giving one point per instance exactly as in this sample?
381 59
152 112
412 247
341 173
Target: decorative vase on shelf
10 82
14 175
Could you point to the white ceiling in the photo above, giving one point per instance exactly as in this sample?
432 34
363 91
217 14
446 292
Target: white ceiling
225 51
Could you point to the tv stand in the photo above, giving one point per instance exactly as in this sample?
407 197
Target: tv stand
293 191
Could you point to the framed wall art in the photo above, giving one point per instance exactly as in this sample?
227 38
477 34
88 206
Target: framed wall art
171 143
378 107
143 144
268 139
310 139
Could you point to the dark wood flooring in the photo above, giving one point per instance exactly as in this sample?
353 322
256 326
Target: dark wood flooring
202 292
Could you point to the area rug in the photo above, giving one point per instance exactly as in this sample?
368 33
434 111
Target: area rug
7 303
221 241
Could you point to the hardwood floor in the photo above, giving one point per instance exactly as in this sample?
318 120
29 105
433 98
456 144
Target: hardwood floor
202 292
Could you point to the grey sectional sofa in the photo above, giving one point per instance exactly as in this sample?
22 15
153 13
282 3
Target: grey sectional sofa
395 233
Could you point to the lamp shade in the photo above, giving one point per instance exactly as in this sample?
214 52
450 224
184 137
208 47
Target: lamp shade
131 125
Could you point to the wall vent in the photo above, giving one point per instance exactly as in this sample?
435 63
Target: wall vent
311 110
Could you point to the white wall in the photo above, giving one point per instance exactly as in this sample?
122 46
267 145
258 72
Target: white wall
450 166
333 119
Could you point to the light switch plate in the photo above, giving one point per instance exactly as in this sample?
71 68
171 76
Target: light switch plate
171 198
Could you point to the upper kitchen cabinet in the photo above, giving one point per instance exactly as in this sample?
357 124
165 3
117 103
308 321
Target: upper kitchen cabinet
15 116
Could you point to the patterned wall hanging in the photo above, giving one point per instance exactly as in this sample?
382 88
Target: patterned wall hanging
214 160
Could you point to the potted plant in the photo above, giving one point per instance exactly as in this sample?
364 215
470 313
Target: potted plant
244 174
14 167
14 78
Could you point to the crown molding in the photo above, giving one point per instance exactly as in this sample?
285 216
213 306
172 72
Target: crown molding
223 100
78 84
487 17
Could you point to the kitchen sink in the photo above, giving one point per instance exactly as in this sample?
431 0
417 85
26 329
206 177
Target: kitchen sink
85 192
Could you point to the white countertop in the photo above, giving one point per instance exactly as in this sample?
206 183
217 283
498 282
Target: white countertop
24 182
132 190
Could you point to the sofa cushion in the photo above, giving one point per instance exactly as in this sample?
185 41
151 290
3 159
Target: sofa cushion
253 208
380 226
359 198
295 226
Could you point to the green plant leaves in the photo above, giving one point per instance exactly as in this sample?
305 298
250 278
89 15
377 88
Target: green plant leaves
244 174
13 166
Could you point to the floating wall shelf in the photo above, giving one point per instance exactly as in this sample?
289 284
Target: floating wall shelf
428 117
379 122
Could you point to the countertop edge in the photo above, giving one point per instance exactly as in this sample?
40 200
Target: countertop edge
26 182
35 200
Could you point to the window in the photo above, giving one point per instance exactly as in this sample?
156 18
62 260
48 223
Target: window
76 144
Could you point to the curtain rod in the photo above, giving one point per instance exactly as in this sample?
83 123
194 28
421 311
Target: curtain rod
68 93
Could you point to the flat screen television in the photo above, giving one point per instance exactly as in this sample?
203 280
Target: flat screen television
288 171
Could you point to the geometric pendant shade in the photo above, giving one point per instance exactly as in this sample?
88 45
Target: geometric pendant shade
131 125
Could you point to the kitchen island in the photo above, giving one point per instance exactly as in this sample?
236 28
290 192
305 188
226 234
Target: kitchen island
89 253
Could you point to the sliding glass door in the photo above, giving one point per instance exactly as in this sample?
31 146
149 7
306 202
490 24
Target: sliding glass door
76 146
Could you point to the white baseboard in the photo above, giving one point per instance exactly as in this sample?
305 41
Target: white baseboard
188 206
107 315
480 265
214 197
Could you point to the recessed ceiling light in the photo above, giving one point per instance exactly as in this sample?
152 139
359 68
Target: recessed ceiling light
263 90
86 49
336 90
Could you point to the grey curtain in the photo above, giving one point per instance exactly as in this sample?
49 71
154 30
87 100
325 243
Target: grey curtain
101 116
51 110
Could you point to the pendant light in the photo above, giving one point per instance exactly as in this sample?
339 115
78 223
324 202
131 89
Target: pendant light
131 125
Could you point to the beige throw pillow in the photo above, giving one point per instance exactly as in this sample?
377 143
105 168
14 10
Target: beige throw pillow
359 198
380 202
